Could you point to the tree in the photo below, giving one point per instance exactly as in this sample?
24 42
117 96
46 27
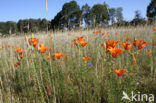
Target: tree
137 19
87 15
151 10
11 27
70 11
100 14
44 25
112 13
119 15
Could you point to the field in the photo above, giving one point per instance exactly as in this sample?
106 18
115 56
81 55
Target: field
85 66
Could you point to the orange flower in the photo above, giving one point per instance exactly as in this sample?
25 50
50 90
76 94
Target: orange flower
83 43
80 38
135 42
149 53
154 29
127 39
103 33
49 48
75 42
19 50
30 60
115 51
126 45
141 44
110 43
47 56
107 33
86 58
134 61
57 55
33 41
66 56
42 48
120 72
21 54
17 64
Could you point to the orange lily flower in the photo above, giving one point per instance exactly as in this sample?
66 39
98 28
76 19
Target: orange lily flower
42 48
21 54
49 48
127 39
17 64
75 42
86 58
108 33
120 72
154 29
80 38
47 56
149 53
141 44
57 55
115 51
135 42
19 50
66 56
103 33
110 43
126 45
33 41
83 43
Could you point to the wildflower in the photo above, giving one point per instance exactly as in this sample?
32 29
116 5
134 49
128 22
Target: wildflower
86 58
33 41
19 50
127 39
120 72
115 51
80 38
145 47
30 60
141 44
66 56
103 33
135 42
42 48
21 54
17 64
47 56
108 33
57 55
49 48
154 29
83 43
110 43
90 64
134 61
126 45
75 42
149 53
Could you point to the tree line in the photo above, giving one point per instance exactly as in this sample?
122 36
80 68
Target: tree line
72 16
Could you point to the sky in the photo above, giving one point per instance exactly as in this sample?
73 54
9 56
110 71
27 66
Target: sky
14 10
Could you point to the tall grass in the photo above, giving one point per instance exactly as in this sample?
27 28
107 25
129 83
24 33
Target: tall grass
74 80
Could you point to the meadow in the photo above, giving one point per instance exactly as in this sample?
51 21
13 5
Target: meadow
82 66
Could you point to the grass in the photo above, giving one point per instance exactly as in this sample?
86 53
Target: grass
73 80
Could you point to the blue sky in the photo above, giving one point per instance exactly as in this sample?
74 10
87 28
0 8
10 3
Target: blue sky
13 10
